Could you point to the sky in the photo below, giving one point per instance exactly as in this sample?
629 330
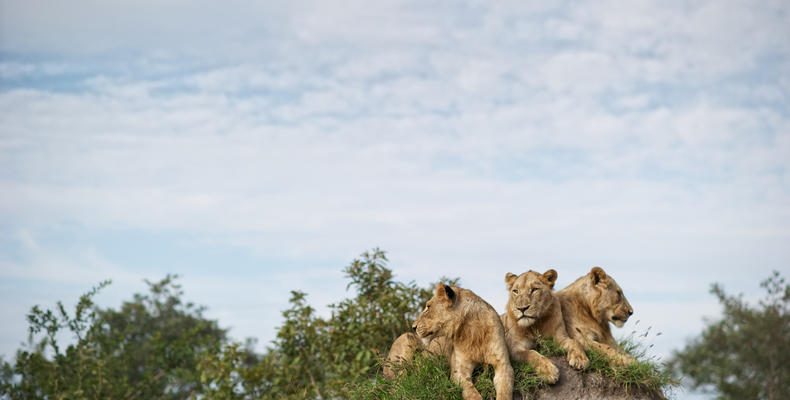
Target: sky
256 148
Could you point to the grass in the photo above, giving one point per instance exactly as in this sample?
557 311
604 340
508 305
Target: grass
526 380
646 373
428 376
425 377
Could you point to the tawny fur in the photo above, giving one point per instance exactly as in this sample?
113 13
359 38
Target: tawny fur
533 310
404 347
588 306
473 329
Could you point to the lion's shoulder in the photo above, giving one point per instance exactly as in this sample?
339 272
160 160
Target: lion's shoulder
576 295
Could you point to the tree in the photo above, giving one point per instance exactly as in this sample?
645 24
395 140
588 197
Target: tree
148 349
157 347
324 355
746 354
69 373
237 373
316 357
302 349
363 327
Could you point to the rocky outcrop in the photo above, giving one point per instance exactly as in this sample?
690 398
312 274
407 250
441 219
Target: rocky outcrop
575 385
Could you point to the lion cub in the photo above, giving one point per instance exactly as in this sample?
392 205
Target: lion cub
473 329
533 310
588 305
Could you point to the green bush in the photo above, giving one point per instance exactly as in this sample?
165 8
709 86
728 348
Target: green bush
746 353
149 349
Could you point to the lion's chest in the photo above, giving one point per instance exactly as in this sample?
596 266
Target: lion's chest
520 340
593 335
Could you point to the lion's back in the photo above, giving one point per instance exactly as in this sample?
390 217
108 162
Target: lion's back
573 300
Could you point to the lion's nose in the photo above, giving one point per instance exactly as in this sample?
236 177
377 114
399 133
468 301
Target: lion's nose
414 327
630 312
522 309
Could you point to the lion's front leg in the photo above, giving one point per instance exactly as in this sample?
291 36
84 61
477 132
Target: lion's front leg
503 380
462 369
497 355
545 368
576 357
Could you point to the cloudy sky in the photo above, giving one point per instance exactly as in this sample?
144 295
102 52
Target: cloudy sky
258 147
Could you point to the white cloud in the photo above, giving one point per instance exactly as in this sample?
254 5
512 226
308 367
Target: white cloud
467 139
13 70
123 154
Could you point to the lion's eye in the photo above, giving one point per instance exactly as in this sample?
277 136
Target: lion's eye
515 291
533 290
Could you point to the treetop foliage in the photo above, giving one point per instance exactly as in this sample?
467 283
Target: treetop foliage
149 348
157 347
746 354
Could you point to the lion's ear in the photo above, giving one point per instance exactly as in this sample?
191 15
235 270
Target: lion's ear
445 292
510 279
439 292
598 275
550 277
450 293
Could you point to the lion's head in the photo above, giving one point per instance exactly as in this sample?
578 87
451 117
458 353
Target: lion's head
530 295
607 299
437 313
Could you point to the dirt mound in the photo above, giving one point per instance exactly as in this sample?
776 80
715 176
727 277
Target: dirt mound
588 385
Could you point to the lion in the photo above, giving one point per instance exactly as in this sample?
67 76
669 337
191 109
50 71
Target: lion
533 310
588 306
404 347
475 332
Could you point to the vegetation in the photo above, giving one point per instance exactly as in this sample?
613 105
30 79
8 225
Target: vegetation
646 373
157 347
745 354
148 349
428 376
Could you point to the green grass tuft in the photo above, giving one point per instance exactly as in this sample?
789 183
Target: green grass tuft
483 379
647 373
425 377
428 377
526 379
549 347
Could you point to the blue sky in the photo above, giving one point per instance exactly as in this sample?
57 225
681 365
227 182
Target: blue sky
257 147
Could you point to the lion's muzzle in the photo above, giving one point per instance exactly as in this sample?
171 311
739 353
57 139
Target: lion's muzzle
422 333
523 311
619 319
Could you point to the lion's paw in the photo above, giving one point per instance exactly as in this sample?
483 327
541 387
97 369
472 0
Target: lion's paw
548 371
470 393
578 360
